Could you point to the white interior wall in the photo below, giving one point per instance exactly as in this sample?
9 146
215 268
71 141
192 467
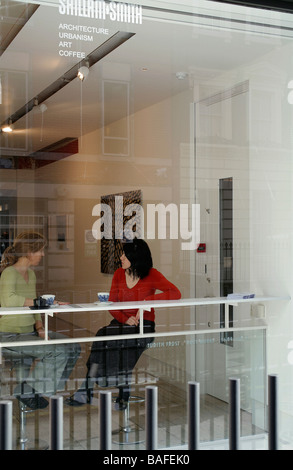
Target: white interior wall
262 210
271 216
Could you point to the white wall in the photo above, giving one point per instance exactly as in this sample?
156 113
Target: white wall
262 170
271 270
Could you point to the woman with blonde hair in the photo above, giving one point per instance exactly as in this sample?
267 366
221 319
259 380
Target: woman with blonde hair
52 363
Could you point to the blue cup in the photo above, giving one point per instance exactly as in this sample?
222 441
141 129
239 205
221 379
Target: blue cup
103 296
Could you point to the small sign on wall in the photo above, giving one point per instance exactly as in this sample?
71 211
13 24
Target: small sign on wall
202 248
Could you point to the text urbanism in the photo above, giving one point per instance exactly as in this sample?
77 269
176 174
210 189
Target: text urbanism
100 10
162 222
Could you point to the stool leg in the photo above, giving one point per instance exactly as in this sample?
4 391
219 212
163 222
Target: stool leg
125 426
23 442
22 425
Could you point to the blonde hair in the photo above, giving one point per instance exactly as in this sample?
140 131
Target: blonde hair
25 243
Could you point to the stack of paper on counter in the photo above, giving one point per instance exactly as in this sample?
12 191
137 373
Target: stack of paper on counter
245 295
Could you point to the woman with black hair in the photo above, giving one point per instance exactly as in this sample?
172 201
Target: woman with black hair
111 362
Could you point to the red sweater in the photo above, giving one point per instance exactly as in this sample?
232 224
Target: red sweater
144 290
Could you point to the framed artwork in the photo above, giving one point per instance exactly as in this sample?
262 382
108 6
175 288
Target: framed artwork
111 250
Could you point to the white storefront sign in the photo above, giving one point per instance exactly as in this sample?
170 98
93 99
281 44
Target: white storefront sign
100 10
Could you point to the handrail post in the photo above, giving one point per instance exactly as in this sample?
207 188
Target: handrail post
141 321
151 417
234 414
46 327
193 415
56 422
105 420
5 425
273 412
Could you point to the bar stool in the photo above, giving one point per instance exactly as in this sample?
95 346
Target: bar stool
23 442
125 430
112 366
128 434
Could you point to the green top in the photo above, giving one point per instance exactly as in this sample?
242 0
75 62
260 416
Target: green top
13 292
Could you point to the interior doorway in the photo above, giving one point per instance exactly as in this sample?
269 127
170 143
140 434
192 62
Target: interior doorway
226 251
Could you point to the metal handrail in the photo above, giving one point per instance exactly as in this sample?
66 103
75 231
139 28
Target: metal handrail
141 306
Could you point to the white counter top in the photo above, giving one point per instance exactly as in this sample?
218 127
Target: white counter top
144 305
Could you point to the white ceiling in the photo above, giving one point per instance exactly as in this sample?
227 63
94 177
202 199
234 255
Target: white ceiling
165 43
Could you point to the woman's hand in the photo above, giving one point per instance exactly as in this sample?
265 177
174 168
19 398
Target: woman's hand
40 329
133 321
41 333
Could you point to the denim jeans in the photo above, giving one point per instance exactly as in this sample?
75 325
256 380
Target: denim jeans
45 368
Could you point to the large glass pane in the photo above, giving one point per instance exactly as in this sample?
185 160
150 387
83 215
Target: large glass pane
169 363
176 99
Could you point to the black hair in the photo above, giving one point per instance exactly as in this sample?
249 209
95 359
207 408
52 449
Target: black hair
139 255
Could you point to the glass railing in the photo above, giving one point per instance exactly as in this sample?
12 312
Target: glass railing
171 360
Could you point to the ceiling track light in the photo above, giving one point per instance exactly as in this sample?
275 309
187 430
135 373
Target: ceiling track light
7 128
95 56
40 108
83 71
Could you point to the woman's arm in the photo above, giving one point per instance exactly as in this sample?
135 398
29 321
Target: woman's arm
10 298
168 290
8 294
